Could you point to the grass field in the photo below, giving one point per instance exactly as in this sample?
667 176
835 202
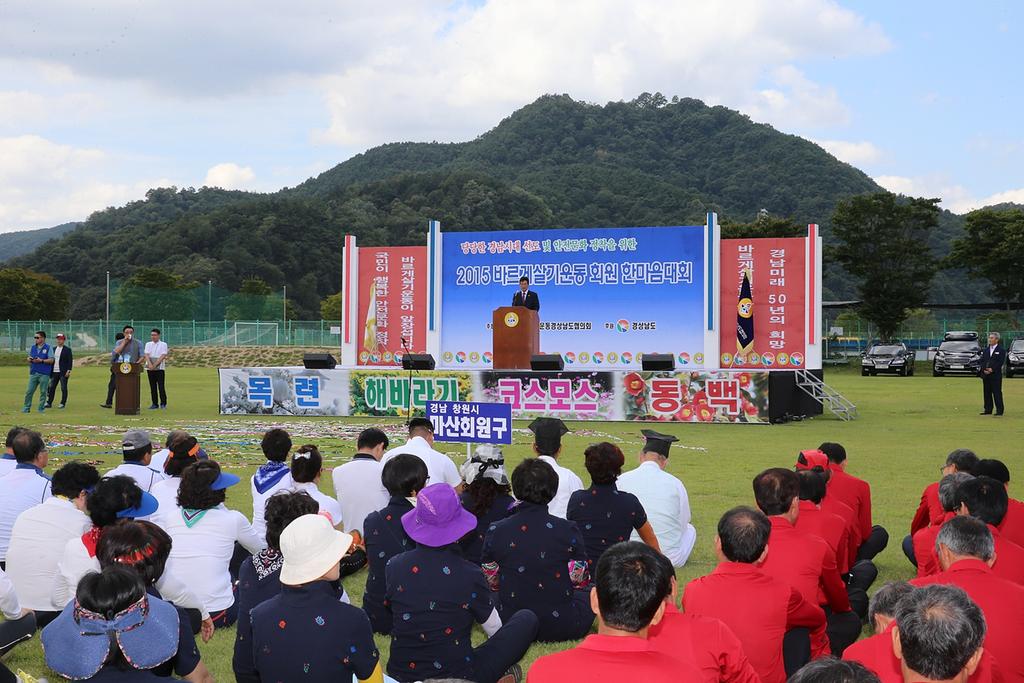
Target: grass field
906 428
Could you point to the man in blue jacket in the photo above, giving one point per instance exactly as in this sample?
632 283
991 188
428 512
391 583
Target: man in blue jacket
63 361
991 368
39 364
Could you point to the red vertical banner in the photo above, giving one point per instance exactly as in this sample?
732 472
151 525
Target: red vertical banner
776 269
392 303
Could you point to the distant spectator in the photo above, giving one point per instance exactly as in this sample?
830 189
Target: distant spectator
160 457
857 494
184 452
7 461
155 357
930 510
24 487
63 362
832 670
40 366
547 446
1012 527
985 498
272 476
629 598
487 495
137 449
440 467
307 468
922 549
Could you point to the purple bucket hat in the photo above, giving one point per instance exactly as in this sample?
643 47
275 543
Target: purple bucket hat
438 518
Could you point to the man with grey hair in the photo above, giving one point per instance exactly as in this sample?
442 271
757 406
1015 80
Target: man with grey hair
991 370
966 551
923 543
938 636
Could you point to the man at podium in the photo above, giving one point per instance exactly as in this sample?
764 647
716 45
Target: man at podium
524 297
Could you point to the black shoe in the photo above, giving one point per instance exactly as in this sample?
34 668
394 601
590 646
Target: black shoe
154 407
105 405
997 414
49 405
985 413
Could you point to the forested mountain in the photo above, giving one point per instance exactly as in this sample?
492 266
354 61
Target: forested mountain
554 163
26 241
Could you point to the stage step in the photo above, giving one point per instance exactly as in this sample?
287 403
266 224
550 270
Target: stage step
814 387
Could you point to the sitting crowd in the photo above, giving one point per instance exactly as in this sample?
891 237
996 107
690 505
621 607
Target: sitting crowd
121 572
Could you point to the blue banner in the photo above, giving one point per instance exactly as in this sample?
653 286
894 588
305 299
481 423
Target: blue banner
468 422
606 295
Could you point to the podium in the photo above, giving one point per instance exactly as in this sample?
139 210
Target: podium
515 337
127 387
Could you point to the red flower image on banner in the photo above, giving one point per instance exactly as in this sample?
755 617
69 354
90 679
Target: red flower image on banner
776 267
392 303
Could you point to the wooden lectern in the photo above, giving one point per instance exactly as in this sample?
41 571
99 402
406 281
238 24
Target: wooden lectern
126 387
516 337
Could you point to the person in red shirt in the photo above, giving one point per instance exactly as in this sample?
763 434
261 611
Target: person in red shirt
813 459
629 597
759 609
804 560
876 653
938 635
705 642
815 520
1012 527
985 498
966 554
929 511
924 540
857 494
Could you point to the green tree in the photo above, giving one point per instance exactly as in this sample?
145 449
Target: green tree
26 295
330 307
155 294
992 249
254 301
882 240
765 225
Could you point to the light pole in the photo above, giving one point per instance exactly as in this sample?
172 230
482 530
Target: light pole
209 300
107 314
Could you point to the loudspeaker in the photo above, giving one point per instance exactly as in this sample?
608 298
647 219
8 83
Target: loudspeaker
547 361
318 361
658 361
417 361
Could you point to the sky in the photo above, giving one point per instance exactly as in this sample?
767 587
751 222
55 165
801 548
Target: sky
101 100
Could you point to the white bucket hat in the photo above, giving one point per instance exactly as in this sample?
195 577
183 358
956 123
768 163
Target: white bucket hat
311 547
487 461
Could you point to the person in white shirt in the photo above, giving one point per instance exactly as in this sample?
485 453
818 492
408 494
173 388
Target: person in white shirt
203 534
160 457
113 498
7 460
547 444
358 485
41 533
19 623
307 468
137 447
440 468
185 452
154 357
23 487
271 477
664 498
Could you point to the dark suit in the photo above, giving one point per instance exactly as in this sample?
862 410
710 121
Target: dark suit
59 375
532 300
992 383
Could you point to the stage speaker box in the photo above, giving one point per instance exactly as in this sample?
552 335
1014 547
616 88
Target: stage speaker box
417 361
550 362
318 361
658 361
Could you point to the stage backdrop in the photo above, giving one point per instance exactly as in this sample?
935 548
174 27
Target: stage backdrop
775 311
606 294
392 303
621 395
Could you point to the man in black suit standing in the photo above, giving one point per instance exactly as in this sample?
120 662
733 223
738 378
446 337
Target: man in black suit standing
524 297
992 359
63 361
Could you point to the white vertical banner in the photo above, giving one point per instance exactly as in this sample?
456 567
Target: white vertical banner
712 290
813 274
434 280
350 334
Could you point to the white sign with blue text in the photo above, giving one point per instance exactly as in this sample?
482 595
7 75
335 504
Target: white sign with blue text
469 422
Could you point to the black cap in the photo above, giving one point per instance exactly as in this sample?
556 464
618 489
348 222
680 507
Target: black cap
656 442
547 434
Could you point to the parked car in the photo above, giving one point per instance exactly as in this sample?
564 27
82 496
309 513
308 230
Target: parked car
1015 358
893 356
959 352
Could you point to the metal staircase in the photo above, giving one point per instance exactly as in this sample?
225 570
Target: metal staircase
828 397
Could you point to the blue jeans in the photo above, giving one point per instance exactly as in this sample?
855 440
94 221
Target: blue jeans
37 380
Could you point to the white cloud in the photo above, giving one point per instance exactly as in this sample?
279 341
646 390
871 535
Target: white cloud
230 176
22 108
855 153
44 183
798 102
955 197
